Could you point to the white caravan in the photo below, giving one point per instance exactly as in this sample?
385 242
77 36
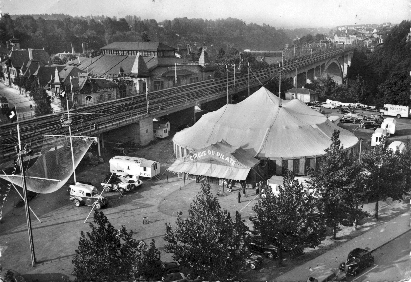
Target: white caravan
377 136
389 124
124 165
396 145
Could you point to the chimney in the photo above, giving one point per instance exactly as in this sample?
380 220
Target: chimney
30 54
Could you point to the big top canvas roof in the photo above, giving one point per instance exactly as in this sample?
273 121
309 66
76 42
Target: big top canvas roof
265 128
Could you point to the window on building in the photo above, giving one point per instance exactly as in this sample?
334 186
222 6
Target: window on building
108 96
158 85
145 169
193 79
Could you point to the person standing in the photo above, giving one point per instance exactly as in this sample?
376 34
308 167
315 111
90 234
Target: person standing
239 197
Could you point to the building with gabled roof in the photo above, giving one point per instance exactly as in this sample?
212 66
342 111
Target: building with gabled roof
145 49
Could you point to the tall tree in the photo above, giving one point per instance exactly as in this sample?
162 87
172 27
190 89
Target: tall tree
289 220
384 174
41 99
209 241
334 179
105 253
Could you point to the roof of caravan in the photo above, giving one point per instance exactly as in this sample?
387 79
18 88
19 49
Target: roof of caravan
143 162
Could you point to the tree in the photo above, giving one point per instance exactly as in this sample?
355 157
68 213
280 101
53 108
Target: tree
105 253
384 174
208 241
144 37
289 220
147 262
41 99
334 179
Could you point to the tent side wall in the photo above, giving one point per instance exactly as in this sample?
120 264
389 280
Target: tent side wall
278 166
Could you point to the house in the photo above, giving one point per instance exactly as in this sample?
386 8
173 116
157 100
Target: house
303 94
146 66
86 90
161 128
22 63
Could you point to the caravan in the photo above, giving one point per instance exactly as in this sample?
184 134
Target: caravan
389 124
124 165
378 136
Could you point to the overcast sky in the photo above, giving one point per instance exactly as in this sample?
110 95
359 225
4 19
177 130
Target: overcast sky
278 13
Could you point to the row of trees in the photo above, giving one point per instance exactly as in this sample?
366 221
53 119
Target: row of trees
212 244
42 101
60 34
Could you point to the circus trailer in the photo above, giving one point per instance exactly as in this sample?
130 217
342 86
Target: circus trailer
125 165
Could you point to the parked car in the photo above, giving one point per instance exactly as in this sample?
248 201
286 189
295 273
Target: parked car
254 261
86 194
174 277
357 260
114 182
346 119
369 124
343 110
258 246
328 106
8 275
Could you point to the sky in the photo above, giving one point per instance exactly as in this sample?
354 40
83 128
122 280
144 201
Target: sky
277 13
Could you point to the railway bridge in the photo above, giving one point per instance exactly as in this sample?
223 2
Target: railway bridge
132 117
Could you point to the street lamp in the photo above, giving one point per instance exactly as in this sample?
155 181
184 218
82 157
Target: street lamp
379 165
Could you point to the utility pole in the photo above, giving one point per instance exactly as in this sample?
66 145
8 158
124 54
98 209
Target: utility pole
26 203
248 76
226 69
279 83
71 141
234 79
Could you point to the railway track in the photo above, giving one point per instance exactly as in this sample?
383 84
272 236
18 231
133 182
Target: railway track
120 112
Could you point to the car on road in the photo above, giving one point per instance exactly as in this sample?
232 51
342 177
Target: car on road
254 261
86 194
114 182
357 260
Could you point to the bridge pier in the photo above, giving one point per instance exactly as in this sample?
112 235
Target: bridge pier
141 133
310 75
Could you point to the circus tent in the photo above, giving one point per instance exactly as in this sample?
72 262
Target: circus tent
285 133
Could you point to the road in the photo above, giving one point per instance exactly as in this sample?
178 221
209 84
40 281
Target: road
392 262
20 101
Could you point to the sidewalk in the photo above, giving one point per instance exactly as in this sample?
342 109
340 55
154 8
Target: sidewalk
322 267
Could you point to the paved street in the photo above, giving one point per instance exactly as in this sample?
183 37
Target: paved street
22 102
324 265
392 262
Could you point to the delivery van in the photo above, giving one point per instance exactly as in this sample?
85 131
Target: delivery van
395 111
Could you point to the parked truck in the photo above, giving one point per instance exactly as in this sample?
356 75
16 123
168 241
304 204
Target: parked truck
395 111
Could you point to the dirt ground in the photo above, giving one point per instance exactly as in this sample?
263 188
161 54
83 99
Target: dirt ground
56 237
